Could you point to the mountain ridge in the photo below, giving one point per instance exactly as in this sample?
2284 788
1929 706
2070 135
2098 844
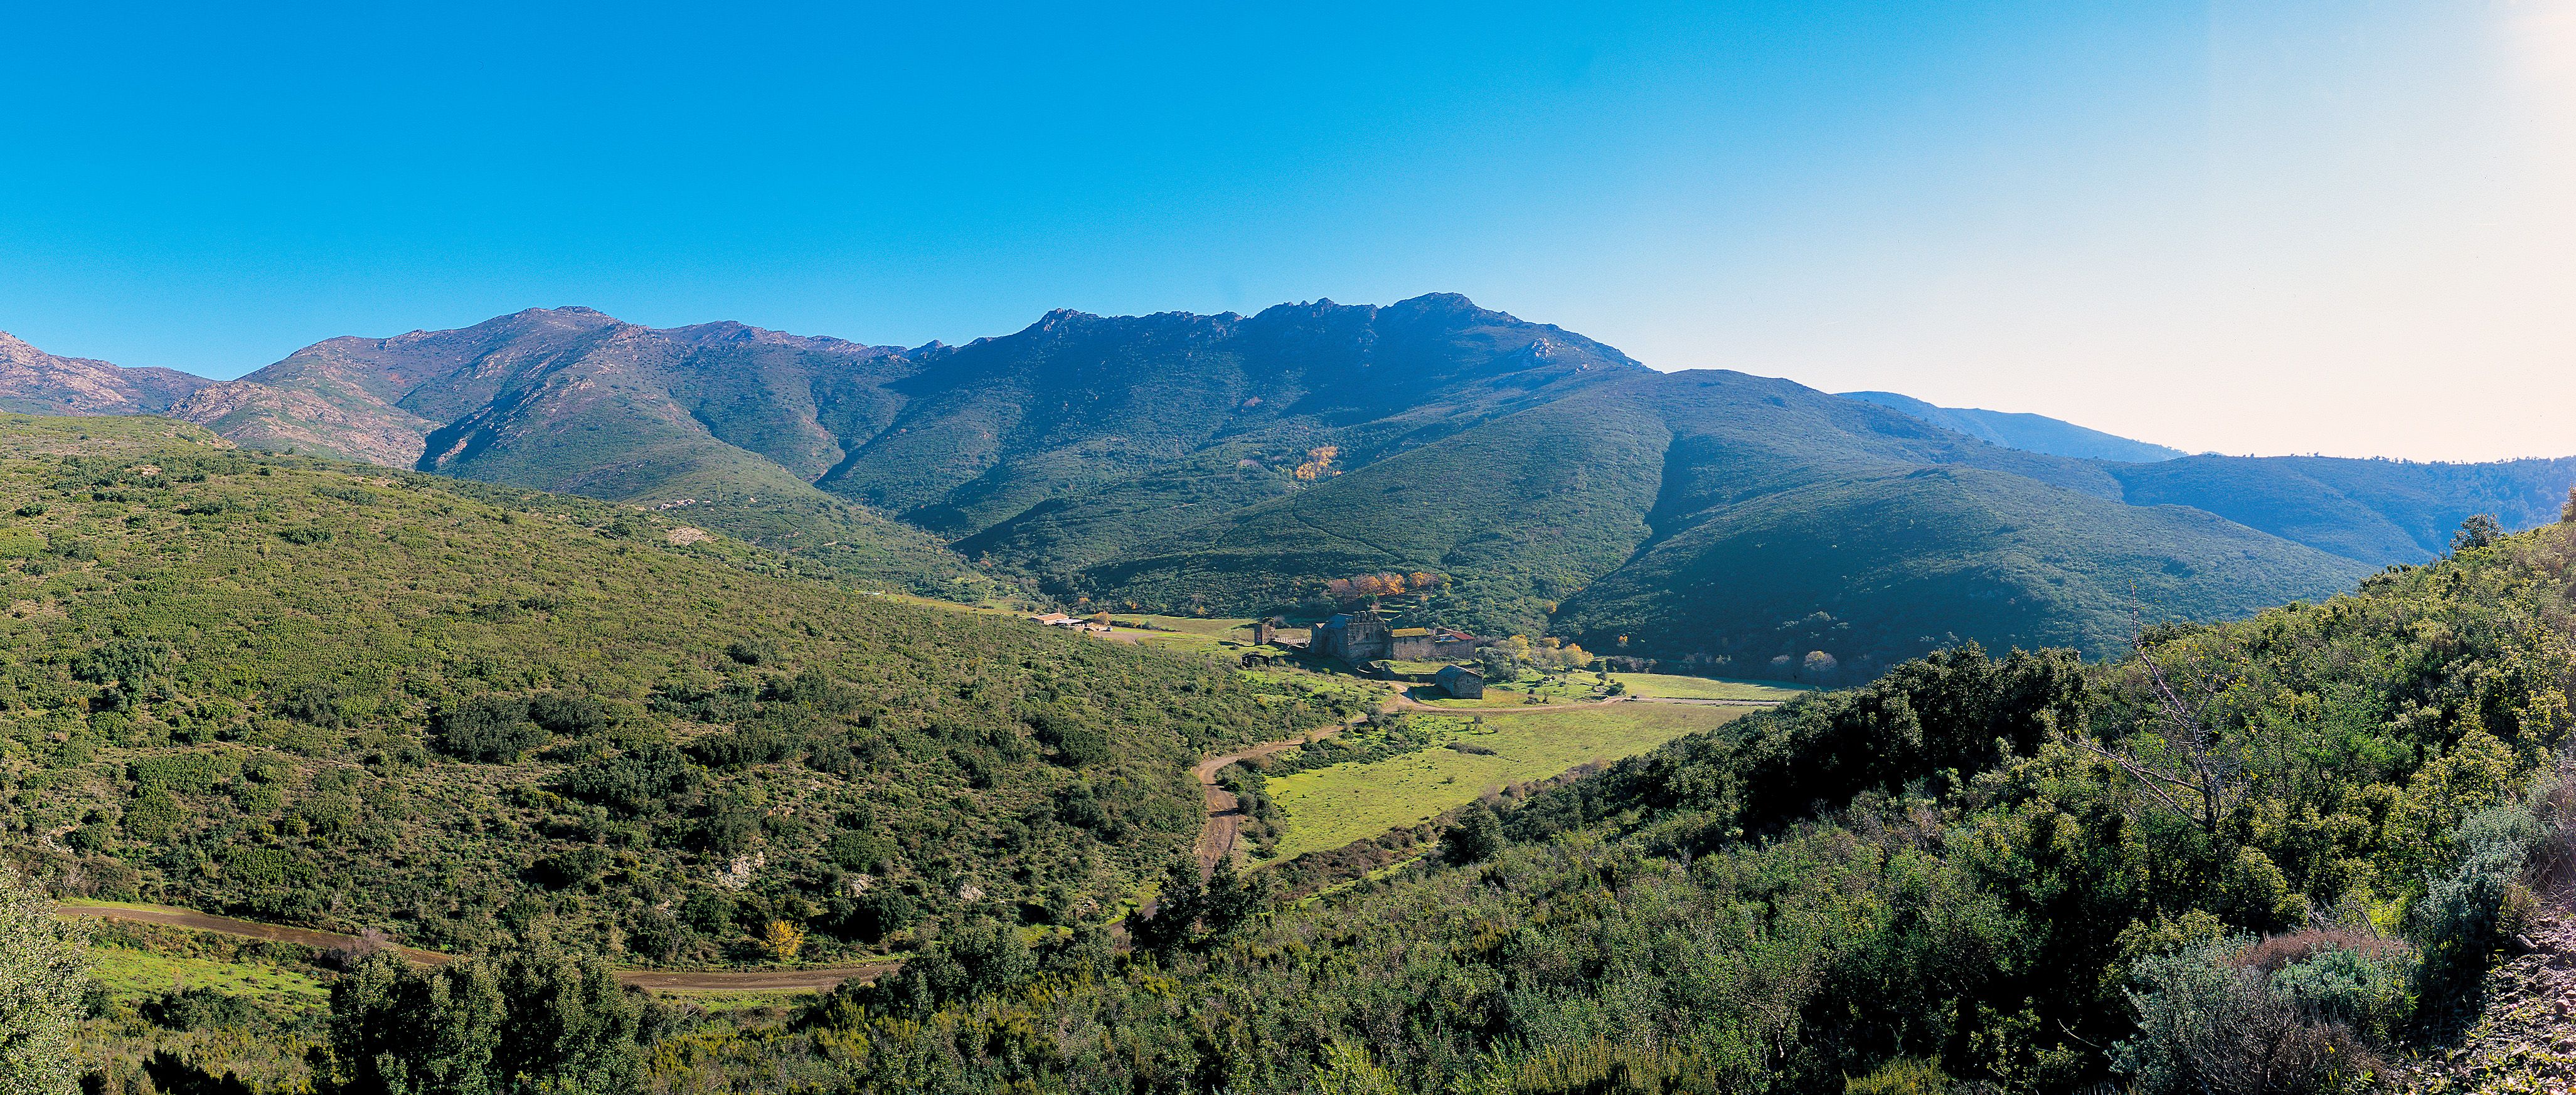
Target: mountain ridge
2028 432
1237 463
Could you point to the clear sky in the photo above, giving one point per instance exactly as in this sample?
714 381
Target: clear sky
2243 225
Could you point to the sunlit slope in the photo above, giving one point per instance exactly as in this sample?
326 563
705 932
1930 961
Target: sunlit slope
339 696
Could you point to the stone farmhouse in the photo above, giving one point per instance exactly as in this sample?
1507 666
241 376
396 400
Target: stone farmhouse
1364 636
1461 682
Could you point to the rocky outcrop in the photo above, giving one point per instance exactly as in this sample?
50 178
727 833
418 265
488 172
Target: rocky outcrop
269 417
37 382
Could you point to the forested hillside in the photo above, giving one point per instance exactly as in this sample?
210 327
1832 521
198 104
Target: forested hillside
1729 520
2275 855
2375 511
329 695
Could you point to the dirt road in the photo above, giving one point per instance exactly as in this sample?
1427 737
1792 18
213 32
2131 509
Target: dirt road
790 980
1224 812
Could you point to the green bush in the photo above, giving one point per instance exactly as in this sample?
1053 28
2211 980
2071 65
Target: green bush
2458 920
487 730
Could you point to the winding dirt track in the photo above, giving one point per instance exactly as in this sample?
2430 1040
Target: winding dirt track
797 980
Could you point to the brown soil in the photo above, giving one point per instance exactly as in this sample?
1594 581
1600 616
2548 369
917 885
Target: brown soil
1225 812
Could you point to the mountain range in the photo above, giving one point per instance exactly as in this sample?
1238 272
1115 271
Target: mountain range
1235 464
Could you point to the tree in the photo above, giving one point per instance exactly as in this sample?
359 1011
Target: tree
2177 759
1819 664
515 1023
1500 666
487 729
2479 531
2567 509
977 958
44 969
1475 838
1193 913
782 940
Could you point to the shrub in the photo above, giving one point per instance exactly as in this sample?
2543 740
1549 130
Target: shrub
1475 837
1902 1076
487 730
524 1020
2459 920
2210 1022
641 779
743 746
123 660
566 715
318 704
44 968
196 1009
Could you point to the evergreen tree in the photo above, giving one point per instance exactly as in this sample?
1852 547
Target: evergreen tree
523 1021
44 966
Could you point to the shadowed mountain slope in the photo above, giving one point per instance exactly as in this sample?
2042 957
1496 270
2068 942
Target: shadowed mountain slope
2028 432
2376 511
1693 511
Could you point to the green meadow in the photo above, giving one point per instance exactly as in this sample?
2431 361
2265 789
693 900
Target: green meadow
1669 686
127 973
1331 807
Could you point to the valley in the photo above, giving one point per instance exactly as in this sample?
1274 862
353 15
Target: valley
854 713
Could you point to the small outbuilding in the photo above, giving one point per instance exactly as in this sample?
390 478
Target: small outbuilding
1461 682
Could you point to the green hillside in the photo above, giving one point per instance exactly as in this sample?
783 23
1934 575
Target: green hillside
1975 874
1871 571
1516 513
733 421
1713 515
2376 511
342 697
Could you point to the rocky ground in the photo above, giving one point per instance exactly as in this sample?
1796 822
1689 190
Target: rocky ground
2525 1038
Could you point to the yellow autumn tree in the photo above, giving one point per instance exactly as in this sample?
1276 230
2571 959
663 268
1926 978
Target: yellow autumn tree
783 940
1319 462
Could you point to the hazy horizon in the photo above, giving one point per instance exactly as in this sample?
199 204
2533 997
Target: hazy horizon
2224 226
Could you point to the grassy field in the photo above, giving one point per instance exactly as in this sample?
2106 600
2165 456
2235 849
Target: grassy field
1330 807
1706 688
128 973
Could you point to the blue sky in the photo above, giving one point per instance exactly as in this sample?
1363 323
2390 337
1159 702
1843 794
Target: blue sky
2251 227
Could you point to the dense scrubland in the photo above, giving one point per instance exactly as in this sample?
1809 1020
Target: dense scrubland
2021 871
328 695
2279 854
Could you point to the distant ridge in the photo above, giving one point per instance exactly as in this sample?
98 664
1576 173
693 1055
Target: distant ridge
2027 432
35 382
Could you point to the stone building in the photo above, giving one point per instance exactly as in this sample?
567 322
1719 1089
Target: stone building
1364 636
1354 637
1461 682
1430 644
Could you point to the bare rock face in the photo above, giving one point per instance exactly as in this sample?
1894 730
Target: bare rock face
36 382
267 417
